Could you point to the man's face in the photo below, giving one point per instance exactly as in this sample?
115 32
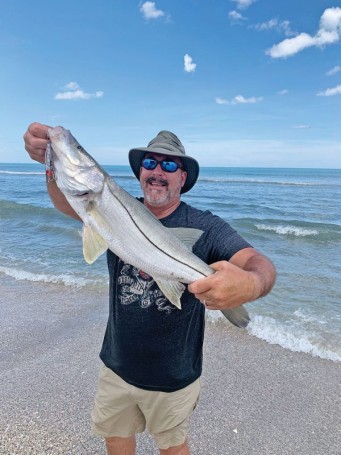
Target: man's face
161 188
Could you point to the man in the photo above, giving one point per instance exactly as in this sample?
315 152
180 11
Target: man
152 352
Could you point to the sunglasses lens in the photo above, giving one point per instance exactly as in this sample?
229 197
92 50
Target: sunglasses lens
167 166
149 164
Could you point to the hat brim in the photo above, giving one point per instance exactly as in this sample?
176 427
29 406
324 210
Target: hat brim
191 165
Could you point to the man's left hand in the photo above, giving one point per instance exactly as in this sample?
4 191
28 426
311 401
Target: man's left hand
248 276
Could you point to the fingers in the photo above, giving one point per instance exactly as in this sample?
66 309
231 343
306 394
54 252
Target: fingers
205 284
211 290
38 130
203 297
202 289
199 286
207 304
36 141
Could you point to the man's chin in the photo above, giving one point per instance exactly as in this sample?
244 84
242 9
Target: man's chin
156 199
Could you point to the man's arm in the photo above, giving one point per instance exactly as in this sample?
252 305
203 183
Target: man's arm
59 200
246 277
36 141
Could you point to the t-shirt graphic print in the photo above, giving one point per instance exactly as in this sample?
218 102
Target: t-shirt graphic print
136 287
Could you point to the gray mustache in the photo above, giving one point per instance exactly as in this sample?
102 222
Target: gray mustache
159 181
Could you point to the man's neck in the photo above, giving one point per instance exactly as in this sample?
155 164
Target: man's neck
162 212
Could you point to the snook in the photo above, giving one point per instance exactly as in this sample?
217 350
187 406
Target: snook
114 219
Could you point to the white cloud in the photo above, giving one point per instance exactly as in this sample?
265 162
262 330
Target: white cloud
283 92
331 19
291 46
73 91
189 66
236 17
221 101
301 127
77 95
149 11
333 71
243 4
331 91
275 24
285 27
239 99
257 152
328 33
271 24
72 86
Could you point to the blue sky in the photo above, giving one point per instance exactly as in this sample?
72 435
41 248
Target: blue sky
241 82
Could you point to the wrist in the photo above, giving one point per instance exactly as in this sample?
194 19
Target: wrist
256 287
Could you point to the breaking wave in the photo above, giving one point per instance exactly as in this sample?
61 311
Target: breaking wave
288 230
291 337
64 279
22 172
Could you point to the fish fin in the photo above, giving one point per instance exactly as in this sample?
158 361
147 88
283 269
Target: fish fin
93 244
172 290
187 235
237 316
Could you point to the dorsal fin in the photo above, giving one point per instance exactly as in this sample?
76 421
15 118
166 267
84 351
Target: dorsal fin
188 236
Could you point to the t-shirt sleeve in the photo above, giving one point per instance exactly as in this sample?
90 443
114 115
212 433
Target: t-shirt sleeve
220 241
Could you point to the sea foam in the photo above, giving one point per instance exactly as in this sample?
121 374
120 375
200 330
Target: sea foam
289 337
288 230
22 172
64 279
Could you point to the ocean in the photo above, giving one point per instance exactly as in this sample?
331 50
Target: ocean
291 215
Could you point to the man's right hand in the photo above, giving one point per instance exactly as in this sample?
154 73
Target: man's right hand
36 141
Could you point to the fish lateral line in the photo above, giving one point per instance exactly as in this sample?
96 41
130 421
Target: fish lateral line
150 241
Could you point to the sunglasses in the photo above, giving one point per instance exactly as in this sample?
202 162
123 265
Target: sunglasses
166 165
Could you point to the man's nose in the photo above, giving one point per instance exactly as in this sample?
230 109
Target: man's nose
158 168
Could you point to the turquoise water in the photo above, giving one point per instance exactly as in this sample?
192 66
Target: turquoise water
291 215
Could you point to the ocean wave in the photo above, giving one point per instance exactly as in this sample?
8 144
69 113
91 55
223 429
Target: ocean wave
64 279
288 230
11 207
290 337
304 317
114 174
123 176
257 181
22 172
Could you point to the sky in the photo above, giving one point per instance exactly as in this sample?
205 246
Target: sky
241 82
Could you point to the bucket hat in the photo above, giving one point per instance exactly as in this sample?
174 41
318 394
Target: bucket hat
166 143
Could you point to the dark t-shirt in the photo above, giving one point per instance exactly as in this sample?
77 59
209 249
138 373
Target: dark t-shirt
148 341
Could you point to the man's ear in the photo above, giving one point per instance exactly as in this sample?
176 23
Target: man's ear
183 178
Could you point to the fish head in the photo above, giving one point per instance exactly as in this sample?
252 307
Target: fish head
76 172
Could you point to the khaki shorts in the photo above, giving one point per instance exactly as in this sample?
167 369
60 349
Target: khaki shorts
122 410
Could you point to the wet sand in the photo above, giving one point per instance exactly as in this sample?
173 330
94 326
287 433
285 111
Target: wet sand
256 398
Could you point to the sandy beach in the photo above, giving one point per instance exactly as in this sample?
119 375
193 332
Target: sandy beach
256 398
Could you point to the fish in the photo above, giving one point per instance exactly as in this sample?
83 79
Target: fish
115 220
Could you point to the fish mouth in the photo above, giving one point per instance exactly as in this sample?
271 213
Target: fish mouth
78 194
86 193
153 181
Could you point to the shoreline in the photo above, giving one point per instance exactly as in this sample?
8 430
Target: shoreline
256 397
